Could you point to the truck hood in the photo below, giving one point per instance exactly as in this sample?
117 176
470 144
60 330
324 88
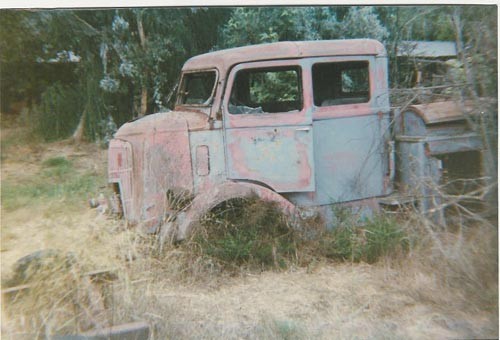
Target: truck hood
165 121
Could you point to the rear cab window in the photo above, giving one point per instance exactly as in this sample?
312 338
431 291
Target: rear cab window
341 83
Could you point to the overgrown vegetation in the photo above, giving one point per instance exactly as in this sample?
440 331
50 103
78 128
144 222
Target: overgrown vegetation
55 300
453 268
254 235
246 232
59 112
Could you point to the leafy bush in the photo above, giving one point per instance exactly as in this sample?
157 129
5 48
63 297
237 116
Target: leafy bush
254 234
379 237
59 112
246 232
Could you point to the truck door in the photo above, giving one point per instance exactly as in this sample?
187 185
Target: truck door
268 130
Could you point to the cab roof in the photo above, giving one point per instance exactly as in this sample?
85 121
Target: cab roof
225 59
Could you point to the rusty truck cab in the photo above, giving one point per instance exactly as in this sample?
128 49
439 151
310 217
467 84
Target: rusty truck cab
302 123
306 124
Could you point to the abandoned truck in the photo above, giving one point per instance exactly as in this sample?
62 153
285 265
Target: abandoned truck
304 124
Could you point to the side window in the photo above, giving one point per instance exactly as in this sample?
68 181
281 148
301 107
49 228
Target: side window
267 90
341 83
197 88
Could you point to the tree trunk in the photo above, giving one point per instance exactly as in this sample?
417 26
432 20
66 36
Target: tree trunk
79 131
144 101
144 89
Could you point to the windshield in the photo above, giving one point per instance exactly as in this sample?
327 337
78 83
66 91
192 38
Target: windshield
197 88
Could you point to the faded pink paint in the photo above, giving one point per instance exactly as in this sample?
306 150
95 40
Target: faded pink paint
152 155
343 111
243 170
267 119
301 117
202 160
160 160
223 60
120 163
165 121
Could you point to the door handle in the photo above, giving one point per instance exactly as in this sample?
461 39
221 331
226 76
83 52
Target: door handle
306 129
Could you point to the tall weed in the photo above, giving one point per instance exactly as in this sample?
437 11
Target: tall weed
246 232
253 234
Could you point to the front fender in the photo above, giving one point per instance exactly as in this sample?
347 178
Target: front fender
208 200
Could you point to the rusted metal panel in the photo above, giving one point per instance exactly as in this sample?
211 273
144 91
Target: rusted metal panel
275 149
213 141
223 60
202 164
164 121
351 160
167 166
120 164
439 145
159 146
441 112
279 157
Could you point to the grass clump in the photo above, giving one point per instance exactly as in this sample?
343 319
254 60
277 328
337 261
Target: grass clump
57 299
253 234
379 237
271 328
246 232
59 162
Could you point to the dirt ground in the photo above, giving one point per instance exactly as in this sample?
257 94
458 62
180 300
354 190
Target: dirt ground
390 299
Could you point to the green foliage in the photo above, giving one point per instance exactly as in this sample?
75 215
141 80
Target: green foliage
246 232
254 234
259 25
274 86
480 37
379 237
62 162
363 22
269 24
383 238
59 112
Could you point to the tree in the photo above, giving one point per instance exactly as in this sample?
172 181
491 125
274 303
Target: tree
258 25
129 59
363 22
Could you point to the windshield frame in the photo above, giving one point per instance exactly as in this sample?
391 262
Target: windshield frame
210 100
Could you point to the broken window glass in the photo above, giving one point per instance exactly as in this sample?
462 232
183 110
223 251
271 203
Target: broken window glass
197 88
267 90
341 83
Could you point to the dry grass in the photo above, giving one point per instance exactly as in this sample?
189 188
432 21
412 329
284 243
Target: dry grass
444 286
